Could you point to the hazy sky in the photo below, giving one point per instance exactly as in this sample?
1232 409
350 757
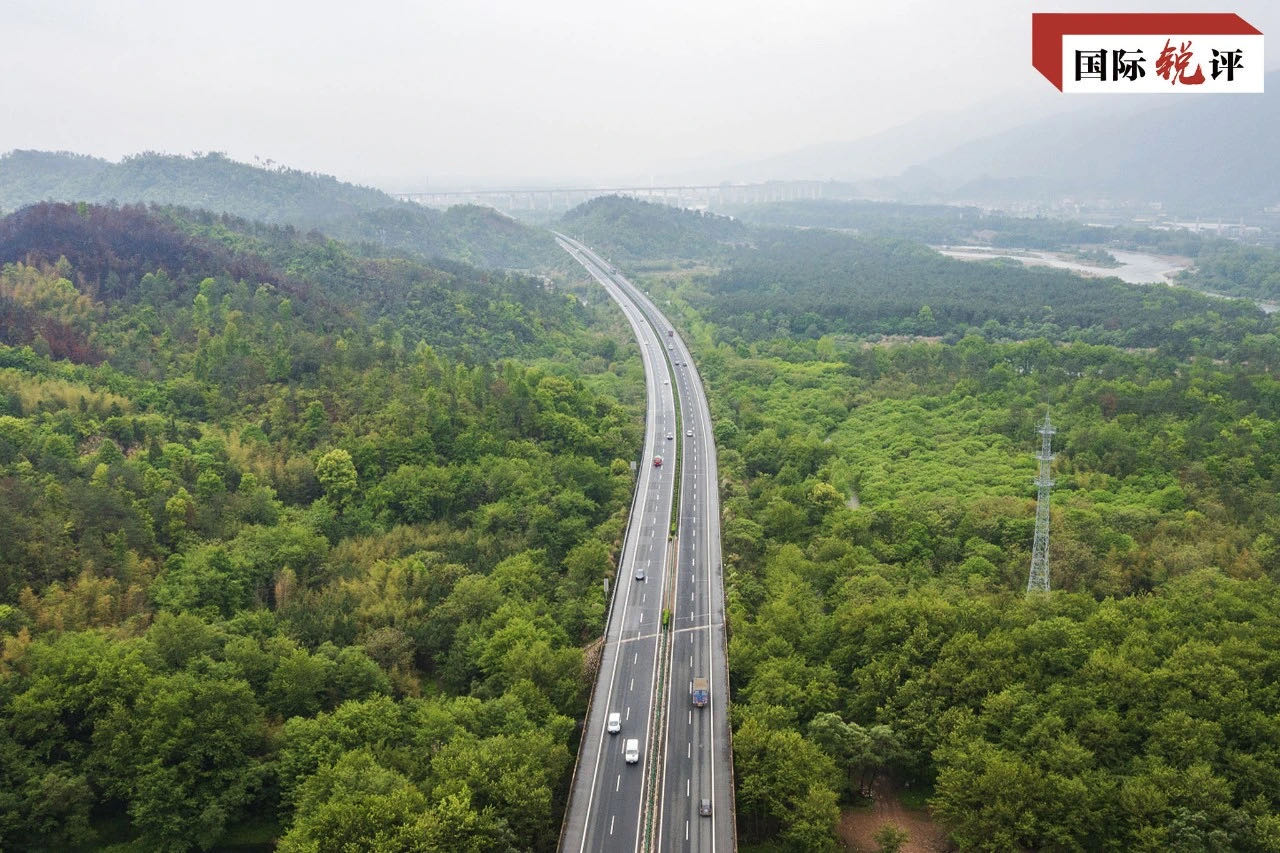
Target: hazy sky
393 92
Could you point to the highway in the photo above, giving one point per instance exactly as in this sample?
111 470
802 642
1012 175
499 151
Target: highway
686 755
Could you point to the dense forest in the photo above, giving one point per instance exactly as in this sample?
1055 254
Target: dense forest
1236 269
1220 265
298 544
947 223
878 517
277 195
809 283
303 542
924 223
877 520
631 230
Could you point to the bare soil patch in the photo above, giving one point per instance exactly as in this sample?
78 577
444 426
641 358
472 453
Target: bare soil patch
859 826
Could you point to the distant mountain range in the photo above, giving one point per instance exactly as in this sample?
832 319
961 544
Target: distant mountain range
893 151
475 235
1195 156
1198 156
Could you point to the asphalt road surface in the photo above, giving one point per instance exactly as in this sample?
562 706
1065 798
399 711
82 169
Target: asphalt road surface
685 751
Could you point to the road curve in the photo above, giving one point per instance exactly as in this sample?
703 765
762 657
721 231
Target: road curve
607 805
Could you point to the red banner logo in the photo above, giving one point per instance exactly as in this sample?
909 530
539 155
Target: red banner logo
1129 53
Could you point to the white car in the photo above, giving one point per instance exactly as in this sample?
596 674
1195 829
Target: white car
615 723
671 436
639 573
688 432
631 750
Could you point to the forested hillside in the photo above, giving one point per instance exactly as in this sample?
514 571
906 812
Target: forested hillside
277 195
297 544
627 229
878 519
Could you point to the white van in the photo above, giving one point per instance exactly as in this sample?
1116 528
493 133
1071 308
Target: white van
632 750
615 723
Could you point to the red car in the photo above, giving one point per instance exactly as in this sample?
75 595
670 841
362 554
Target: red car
657 462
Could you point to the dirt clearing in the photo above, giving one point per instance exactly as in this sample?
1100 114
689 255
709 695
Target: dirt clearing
859 826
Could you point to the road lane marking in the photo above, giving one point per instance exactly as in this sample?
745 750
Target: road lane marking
612 818
618 784
637 308
638 637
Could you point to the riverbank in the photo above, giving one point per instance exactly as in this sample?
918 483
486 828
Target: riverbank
1131 267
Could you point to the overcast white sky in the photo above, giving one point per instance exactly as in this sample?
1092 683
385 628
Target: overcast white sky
454 91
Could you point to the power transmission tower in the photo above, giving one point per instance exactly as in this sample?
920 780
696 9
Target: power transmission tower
1039 578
